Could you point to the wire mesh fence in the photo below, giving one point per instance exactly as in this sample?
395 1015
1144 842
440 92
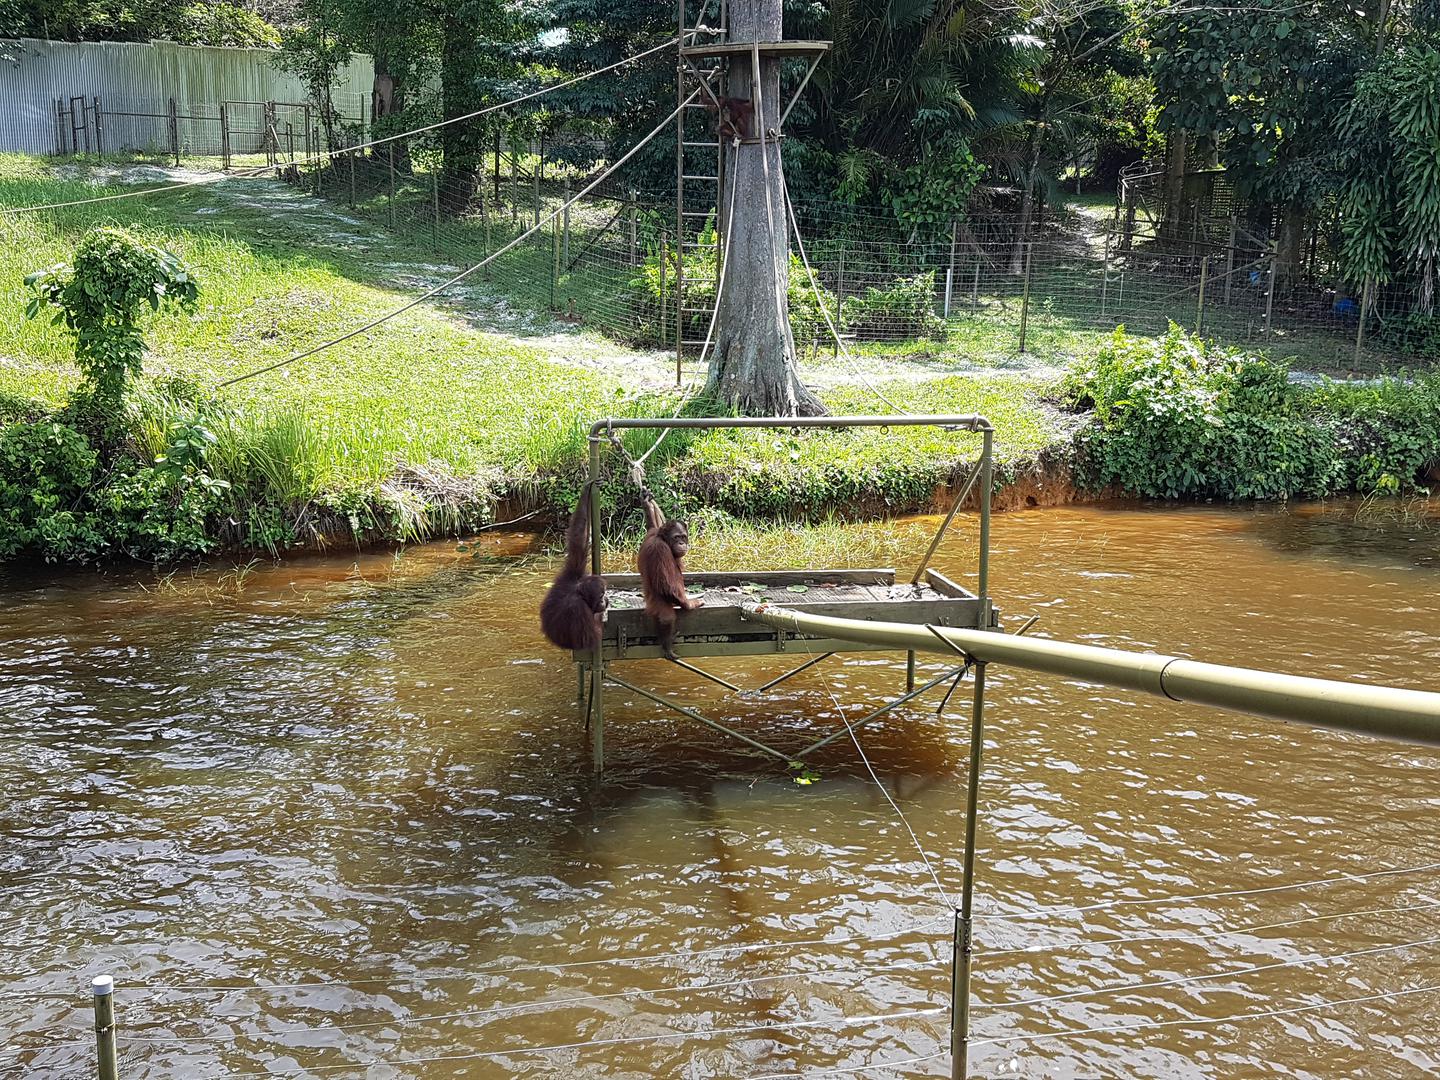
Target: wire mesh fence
986 290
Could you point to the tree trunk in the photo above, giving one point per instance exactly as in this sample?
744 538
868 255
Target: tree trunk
753 365
1027 196
387 96
463 144
1290 247
1173 210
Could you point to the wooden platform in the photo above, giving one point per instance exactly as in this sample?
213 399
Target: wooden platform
717 629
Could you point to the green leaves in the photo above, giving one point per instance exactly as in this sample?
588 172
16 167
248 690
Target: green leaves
100 297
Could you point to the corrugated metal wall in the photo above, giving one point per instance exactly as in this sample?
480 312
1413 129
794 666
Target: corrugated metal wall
141 78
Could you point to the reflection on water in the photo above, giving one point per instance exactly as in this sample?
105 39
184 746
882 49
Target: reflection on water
339 813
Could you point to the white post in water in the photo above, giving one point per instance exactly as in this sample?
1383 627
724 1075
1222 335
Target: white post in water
104 988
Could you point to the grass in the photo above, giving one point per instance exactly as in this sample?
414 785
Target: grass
427 403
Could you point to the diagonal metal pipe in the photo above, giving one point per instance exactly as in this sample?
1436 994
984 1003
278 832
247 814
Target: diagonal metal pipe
1364 709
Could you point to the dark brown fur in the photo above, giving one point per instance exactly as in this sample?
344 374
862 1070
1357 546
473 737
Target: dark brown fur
734 117
661 563
571 613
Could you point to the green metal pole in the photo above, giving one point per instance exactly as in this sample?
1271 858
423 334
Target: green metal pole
964 922
987 488
104 989
1362 708
597 664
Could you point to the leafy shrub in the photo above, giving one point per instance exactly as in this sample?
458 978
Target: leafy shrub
904 308
45 470
158 514
1415 333
1386 433
806 320
934 192
1176 418
101 298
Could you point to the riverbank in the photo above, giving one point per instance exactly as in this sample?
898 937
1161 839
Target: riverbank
467 411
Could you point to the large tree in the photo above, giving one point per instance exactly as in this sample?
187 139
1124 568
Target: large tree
753 366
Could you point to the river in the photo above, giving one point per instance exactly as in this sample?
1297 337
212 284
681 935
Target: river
335 818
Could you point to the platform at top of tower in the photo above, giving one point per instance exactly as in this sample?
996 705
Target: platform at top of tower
766 48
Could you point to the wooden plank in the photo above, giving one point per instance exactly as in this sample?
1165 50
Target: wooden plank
767 48
769 578
943 585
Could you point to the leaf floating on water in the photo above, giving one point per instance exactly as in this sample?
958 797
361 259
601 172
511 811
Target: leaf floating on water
797 588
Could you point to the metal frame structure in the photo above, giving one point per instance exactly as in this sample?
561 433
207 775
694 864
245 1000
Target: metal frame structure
595 665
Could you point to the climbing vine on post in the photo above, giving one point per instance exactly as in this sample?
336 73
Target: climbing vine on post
101 298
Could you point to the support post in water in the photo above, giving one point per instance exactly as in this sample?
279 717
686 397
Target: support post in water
1200 301
963 943
1025 298
910 670
597 662
104 989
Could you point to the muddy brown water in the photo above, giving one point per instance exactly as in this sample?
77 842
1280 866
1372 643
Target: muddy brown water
334 818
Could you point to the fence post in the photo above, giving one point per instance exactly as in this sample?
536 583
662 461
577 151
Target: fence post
390 158
975 288
1366 297
1200 301
950 274
514 184
1105 277
565 242
59 128
634 228
351 157
554 258
1230 258
99 128
839 296
174 132
1270 293
485 224
224 136
535 193
308 147
664 269
497 168
1025 296
104 990
435 210
290 142
272 150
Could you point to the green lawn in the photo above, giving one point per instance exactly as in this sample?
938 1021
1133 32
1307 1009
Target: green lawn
428 389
